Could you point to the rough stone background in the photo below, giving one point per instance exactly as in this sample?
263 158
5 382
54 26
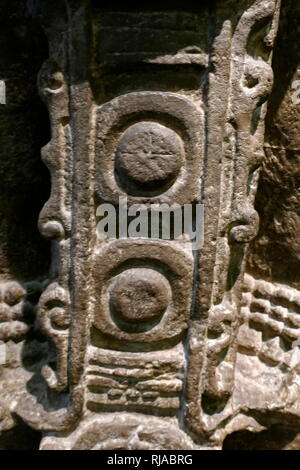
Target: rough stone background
275 254
25 182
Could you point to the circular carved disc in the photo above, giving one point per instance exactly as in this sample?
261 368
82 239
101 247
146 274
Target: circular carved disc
149 155
140 295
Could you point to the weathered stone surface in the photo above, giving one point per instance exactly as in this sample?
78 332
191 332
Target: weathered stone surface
141 342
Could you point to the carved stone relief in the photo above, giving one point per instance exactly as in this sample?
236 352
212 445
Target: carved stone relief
147 343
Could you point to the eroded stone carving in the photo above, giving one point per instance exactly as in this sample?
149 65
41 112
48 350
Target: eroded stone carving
148 334
246 74
18 309
12 309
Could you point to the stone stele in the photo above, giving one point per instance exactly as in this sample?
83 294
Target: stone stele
145 342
